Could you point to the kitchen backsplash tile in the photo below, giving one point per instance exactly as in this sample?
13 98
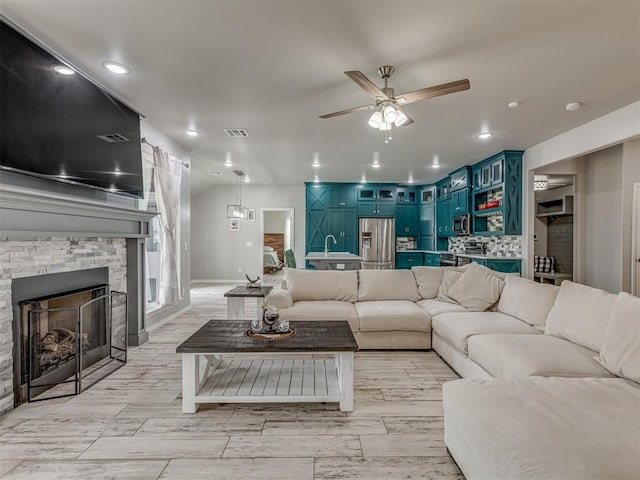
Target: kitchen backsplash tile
499 246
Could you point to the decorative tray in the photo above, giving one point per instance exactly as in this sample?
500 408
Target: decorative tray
271 336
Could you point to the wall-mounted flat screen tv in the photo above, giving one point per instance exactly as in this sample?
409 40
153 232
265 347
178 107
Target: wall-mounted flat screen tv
63 127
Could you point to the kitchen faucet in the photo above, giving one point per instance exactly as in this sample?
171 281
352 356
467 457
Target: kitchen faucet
326 246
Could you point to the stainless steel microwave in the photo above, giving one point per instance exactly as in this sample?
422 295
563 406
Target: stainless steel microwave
462 224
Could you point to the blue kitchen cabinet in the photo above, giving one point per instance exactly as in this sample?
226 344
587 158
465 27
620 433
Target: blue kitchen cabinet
406 260
428 219
460 202
376 200
343 224
443 189
407 195
460 178
342 195
428 194
444 218
506 265
318 227
427 242
318 196
431 259
407 221
496 204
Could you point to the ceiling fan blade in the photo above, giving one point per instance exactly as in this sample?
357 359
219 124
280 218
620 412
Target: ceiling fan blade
367 85
408 121
435 91
348 110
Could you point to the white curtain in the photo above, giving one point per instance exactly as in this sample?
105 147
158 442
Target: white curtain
167 178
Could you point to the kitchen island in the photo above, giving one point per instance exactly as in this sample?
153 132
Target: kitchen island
334 260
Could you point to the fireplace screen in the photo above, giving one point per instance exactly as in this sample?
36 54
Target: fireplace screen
71 338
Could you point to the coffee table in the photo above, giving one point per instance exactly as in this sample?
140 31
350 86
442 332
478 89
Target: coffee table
268 371
236 296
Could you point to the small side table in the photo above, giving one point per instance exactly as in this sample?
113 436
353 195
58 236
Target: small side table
235 300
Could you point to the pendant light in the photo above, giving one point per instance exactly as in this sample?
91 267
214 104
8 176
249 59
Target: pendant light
238 210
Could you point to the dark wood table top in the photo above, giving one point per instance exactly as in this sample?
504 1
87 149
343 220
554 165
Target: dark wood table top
229 336
244 291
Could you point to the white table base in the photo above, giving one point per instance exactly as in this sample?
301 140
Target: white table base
235 307
267 378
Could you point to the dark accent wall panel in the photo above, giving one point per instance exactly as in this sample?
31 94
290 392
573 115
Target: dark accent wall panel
560 242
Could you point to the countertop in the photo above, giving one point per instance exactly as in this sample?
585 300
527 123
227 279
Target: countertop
332 256
468 255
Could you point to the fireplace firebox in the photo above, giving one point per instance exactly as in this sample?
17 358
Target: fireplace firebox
65 342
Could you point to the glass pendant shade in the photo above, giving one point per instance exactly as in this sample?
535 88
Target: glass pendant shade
389 114
400 119
376 119
384 126
237 211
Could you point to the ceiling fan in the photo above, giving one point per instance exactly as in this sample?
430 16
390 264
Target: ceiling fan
388 105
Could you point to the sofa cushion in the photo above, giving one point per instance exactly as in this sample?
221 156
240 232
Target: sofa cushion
322 284
449 278
387 285
323 310
477 289
509 355
527 300
387 315
543 428
429 280
621 349
581 314
435 307
456 328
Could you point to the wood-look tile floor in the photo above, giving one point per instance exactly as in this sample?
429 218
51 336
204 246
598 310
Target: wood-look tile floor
130 425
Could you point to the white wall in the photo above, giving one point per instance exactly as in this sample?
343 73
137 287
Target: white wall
217 253
156 137
274 221
602 221
621 127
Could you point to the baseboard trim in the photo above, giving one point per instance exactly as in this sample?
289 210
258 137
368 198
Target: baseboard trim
215 281
167 319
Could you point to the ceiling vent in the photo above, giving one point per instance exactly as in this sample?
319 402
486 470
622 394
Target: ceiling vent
236 132
113 138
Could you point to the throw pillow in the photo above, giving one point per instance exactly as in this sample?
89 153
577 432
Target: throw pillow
429 280
621 349
477 289
449 278
527 300
387 285
580 314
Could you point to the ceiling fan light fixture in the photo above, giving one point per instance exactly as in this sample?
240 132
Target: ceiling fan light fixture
376 119
389 113
384 126
400 119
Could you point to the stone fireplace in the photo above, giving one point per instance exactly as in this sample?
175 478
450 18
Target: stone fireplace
43 233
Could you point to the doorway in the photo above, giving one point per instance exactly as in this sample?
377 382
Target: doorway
635 241
277 237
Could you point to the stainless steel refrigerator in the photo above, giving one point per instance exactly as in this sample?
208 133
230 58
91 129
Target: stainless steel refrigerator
377 243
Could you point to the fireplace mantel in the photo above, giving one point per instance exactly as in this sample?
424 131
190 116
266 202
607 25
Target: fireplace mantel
27 212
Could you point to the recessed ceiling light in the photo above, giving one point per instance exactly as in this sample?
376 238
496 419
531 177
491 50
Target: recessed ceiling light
363 179
514 104
436 162
376 160
485 135
227 161
192 133
64 70
117 68
572 107
316 179
410 180
376 165
117 172
247 179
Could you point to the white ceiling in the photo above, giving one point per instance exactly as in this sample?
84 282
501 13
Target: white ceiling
273 67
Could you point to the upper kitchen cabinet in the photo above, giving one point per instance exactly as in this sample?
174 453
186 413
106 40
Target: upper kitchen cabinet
376 200
331 195
407 195
443 189
428 194
460 178
497 198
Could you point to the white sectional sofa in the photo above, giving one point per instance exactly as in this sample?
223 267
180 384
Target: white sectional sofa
551 375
